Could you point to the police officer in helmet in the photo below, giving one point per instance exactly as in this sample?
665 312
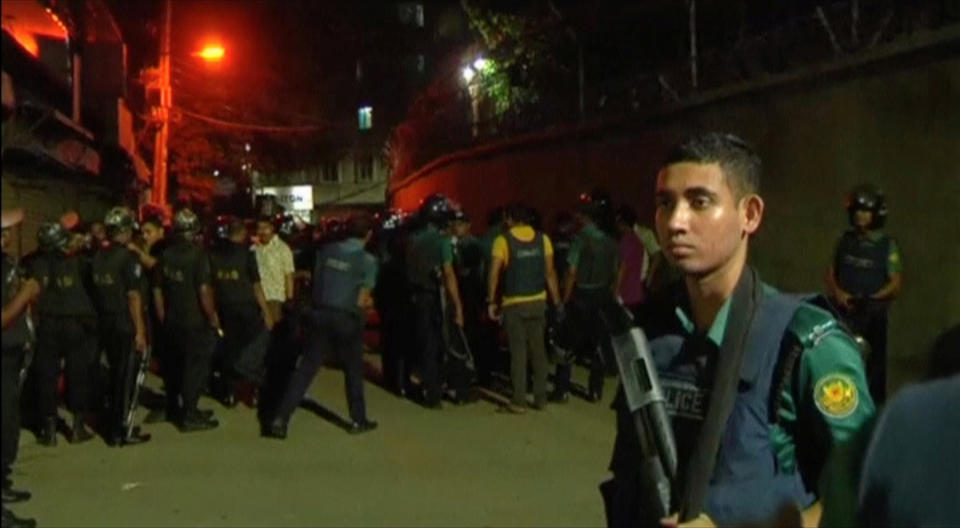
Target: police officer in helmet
431 274
242 308
117 277
865 277
344 276
590 281
185 307
67 329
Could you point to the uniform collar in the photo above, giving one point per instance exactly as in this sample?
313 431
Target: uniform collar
352 243
591 229
717 329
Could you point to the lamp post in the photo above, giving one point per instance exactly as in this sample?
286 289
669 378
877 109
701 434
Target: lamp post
159 79
472 74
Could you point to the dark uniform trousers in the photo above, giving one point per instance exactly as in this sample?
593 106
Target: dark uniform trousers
594 343
116 338
75 339
245 343
526 324
12 363
428 325
869 319
329 331
189 351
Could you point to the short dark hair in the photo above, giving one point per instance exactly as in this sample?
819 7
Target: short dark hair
266 219
626 214
739 161
359 225
519 212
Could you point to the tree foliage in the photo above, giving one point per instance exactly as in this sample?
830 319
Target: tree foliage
526 51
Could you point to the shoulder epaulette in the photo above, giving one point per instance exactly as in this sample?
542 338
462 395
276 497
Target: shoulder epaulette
810 324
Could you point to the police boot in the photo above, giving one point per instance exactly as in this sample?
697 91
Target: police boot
276 429
79 432
195 420
47 433
12 521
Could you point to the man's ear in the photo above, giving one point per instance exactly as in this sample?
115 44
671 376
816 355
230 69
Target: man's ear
751 209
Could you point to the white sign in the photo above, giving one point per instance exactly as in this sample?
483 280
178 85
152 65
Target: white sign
293 198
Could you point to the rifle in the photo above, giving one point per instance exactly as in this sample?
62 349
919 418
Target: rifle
647 405
456 345
129 430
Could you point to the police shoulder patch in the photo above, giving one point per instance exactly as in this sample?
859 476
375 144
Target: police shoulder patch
836 395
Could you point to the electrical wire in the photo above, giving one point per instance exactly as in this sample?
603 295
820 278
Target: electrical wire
255 126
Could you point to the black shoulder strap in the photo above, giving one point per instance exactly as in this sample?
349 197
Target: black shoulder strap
743 307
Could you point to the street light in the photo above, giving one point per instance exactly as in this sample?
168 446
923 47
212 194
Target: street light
468 74
480 64
211 53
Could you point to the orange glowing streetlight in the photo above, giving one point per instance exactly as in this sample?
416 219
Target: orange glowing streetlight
211 53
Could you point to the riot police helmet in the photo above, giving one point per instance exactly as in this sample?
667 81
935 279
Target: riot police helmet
119 219
186 223
222 228
436 209
53 236
867 197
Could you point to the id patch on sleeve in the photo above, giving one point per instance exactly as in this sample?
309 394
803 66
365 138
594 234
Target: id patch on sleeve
836 395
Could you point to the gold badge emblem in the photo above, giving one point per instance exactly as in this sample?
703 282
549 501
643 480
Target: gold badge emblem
836 395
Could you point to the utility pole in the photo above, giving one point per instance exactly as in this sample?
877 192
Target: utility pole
161 113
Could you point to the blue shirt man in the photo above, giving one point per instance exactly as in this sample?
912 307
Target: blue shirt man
344 276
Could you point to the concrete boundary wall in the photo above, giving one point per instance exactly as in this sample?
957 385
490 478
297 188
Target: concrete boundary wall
893 120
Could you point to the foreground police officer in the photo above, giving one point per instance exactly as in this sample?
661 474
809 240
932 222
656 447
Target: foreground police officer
865 277
67 329
759 386
431 274
242 309
185 307
590 283
118 280
17 293
526 258
343 279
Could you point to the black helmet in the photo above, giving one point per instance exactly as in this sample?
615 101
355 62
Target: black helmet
186 222
392 219
52 236
222 227
867 197
596 204
437 209
118 219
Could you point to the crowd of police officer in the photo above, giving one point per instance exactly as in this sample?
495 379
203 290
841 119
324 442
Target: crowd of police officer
189 301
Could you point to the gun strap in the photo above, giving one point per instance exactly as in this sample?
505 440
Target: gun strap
746 297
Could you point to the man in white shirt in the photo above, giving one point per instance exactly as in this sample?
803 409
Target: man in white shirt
275 261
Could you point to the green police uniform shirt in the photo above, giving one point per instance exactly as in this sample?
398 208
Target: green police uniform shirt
825 400
429 249
595 256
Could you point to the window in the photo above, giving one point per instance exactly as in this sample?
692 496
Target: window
330 173
363 169
411 13
365 117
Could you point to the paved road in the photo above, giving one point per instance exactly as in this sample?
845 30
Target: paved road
462 466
